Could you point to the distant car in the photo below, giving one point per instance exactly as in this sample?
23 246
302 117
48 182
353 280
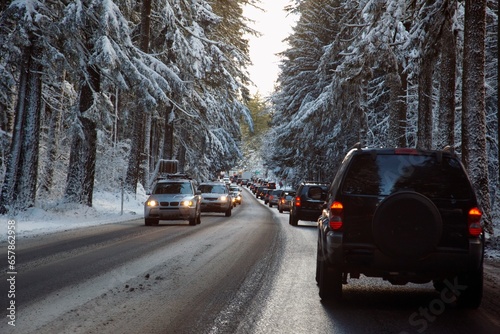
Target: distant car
215 197
260 192
271 185
274 197
173 198
235 194
267 193
285 200
308 202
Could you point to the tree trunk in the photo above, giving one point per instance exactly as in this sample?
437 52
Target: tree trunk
168 145
397 116
181 154
134 161
19 187
52 142
137 145
147 149
81 170
474 153
424 131
145 37
447 83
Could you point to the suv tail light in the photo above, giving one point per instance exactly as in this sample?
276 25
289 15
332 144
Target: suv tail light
404 150
297 201
336 215
474 221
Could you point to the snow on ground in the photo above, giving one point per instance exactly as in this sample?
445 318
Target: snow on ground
493 245
51 217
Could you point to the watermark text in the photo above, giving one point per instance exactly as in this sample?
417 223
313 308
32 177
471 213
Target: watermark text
11 272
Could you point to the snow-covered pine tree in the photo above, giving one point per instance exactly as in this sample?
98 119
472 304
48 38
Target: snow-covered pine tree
474 155
447 83
27 35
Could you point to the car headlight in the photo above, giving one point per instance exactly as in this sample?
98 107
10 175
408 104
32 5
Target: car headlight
223 198
152 203
187 203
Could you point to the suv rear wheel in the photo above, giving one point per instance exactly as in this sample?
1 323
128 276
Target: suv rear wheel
292 219
471 297
330 282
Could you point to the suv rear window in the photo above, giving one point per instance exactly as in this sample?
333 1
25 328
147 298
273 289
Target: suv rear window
385 174
316 193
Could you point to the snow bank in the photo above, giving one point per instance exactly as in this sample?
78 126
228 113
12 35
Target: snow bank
49 217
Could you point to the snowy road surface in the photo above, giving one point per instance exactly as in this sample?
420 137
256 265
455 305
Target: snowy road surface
248 273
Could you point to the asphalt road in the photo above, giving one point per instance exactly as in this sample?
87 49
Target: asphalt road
248 273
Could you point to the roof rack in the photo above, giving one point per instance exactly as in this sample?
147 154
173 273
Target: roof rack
315 182
171 176
448 148
357 146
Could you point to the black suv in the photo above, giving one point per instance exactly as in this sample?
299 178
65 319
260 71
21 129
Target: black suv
308 202
404 215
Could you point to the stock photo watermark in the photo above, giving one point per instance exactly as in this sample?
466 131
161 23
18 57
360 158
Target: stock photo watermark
11 272
421 319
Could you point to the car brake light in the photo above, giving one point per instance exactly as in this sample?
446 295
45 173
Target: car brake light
406 151
336 215
474 220
297 201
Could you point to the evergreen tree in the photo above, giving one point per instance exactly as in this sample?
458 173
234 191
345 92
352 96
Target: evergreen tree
474 153
27 34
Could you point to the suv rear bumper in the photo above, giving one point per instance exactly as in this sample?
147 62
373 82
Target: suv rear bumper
308 214
367 259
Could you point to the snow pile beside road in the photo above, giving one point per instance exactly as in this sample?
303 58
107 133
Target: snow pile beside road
49 217
493 246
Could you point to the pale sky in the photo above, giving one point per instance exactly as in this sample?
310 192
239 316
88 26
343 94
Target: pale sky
274 26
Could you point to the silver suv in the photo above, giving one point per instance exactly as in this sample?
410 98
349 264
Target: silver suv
215 198
174 198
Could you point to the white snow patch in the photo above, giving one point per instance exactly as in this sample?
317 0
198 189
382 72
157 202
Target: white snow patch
50 217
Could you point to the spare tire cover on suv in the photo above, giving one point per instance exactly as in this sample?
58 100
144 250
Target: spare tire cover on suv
407 226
